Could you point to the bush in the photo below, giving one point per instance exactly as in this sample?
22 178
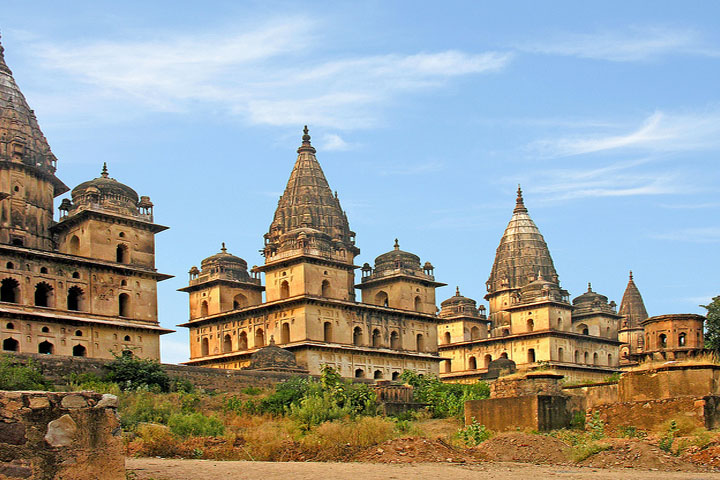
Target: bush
286 393
444 399
317 409
666 441
474 434
90 381
132 373
21 377
596 426
140 408
185 425
631 432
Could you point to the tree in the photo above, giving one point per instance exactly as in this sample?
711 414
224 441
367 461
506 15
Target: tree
132 373
712 325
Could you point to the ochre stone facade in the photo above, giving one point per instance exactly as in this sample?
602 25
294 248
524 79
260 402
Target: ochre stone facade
310 306
85 285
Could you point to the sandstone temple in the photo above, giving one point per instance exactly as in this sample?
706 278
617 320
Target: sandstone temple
84 285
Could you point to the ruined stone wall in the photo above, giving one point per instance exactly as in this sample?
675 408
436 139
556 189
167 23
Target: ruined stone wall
530 384
48 435
670 381
534 412
593 394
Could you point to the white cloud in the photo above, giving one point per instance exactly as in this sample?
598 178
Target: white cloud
332 141
659 132
693 235
632 45
271 74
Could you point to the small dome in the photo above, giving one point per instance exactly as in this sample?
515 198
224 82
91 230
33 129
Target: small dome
225 259
590 297
397 258
104 186
457 299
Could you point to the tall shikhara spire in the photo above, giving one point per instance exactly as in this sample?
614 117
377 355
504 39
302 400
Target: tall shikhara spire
21 140
522 255
632 306
308 207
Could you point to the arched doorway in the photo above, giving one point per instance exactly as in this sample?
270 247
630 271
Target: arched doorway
124 305
75 298
259 338
531 355
376 338
284 289
204 310
472 363
474 333
74 245
285 333
9 290
327 332
357 336
325 289
122 253
43 295
378 375
240 301
227 343
242 341
79 351
447 338
418 304
420 341
395 340
488 359
359 373
46 348
11 345
205 347
381 298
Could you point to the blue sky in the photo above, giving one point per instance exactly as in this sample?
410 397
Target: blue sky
426 116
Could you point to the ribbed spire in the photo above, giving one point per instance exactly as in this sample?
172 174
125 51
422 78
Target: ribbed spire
21 139
522 255
632 306
308 202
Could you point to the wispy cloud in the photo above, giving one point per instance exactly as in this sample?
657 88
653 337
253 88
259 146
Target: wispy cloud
333 141
693 235
632 45
659 132
271 74
620 179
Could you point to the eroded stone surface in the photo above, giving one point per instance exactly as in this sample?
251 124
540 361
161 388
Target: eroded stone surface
61 432
74 401
12 433
107 400
39 402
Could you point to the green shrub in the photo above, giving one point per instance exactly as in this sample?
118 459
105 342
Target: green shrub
140 408
474 434
578 420
667 440
596 426
587 449
195 424
444 399
286 393
90 381
631 432
132 373
251 391
21 377
181 385
317 409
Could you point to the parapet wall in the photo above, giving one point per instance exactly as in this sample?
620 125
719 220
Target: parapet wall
57 368
47 435
668 381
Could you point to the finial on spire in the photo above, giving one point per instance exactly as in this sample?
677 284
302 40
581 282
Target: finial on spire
306 135
540 277
306 146
223 249
104 172
457 291
631 276
589 287
519 202
397 245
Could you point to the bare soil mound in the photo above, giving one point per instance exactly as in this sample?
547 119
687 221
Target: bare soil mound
709 456
637 454
525 448
411 450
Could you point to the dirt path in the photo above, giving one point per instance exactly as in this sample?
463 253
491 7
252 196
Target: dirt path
170 469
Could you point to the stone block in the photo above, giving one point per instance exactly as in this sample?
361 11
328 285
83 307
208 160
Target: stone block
107 401
61 432
37 403
12 433
73 401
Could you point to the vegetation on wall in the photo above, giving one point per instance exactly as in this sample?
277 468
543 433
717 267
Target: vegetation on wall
444 399
15 376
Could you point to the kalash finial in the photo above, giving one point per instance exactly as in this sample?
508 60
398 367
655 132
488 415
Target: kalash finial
631 276
589 287
104 173
306 146
519 202
457 291
223 249
306 135
397 245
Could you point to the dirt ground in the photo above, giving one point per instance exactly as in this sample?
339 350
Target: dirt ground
171 469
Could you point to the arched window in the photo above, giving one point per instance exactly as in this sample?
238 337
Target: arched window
378 375
285 333
284 289
359 373
45 329
663 340
395 375
381 298
121 253
487 360
559 323
586 358
259 338
43 270
78 333
9 290
46 348
325 288
242 341
43 295
74 245
357 336
420 341
76 275
239 301
79 351
395 340
10 326
577 356
124 305
596 359
227 343
418 304
475 333
504 355
681 340
607 332
11 345
205 347
204 309
448 366
9 265
472 363
530 325
610 359
531 355
75 298
327 332
582 328
447 337
126 338
561 355
376 338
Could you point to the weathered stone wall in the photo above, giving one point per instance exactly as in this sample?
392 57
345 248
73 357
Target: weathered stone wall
531 384
535 412
593 394
48 435
649 415
669 381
